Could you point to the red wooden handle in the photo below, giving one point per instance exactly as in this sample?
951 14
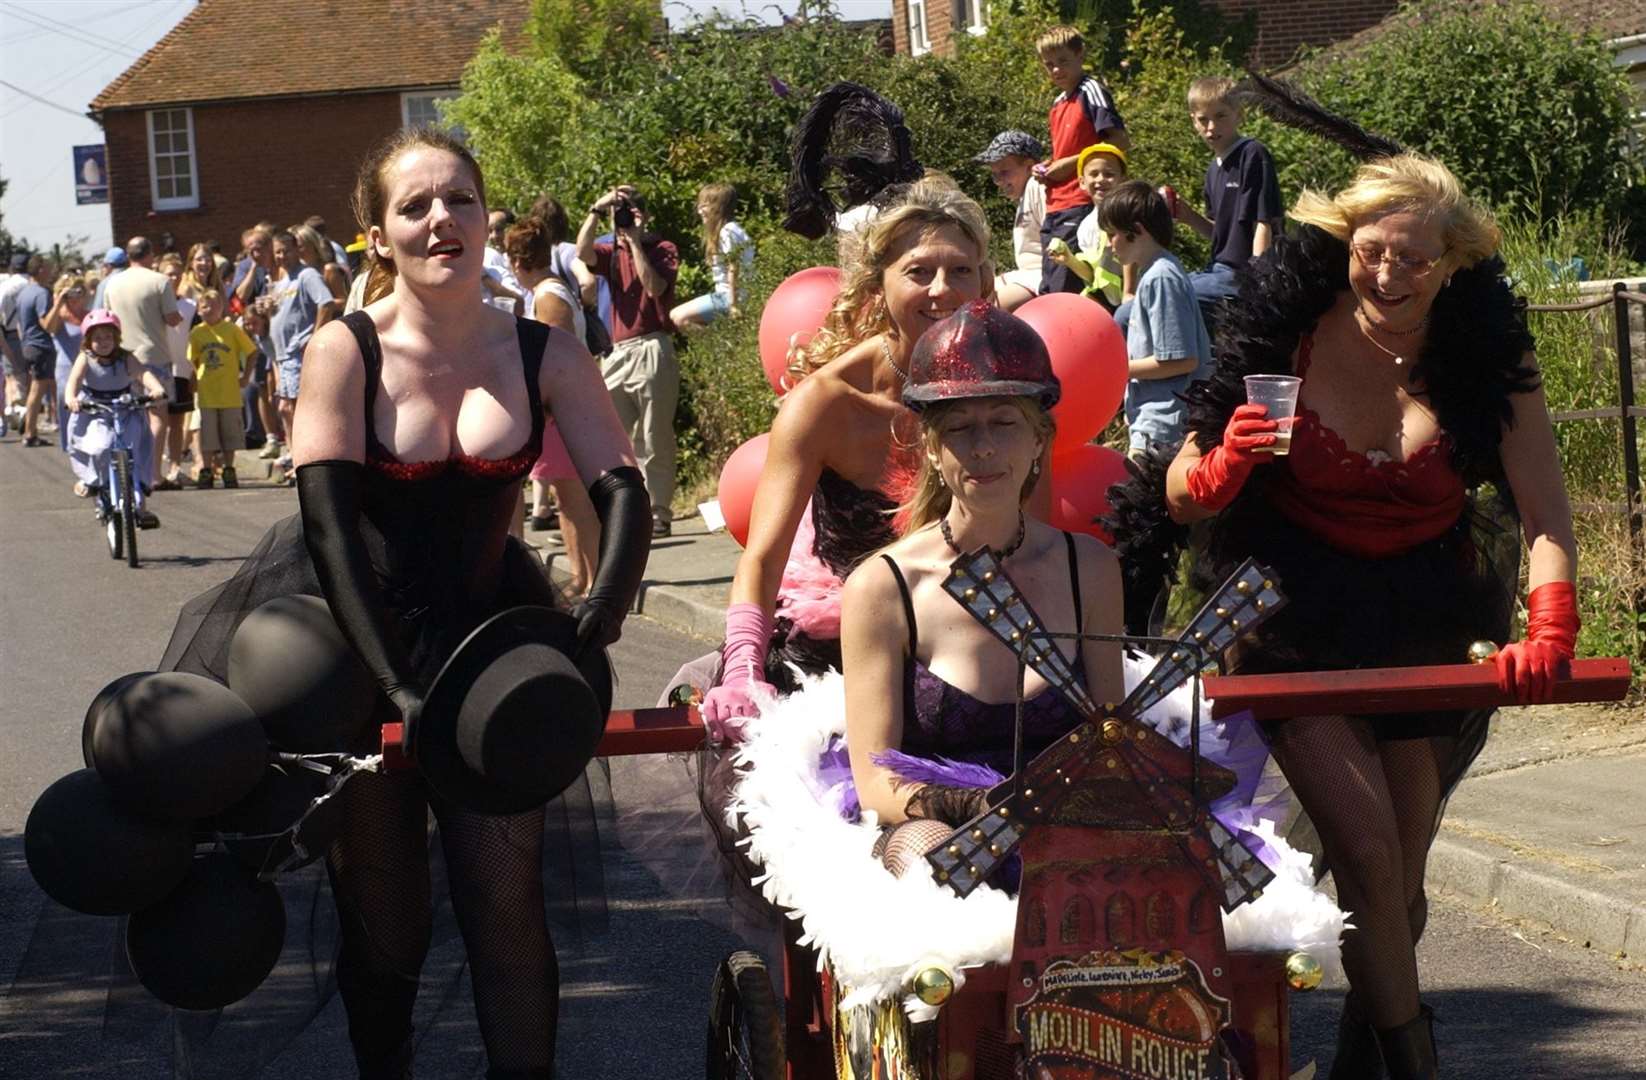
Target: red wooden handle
628 731
1367 691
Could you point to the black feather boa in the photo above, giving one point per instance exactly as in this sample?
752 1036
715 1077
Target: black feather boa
1472 364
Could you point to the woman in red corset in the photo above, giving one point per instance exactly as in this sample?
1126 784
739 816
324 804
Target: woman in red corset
1419 386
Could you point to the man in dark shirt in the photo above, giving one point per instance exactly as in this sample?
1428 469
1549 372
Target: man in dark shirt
641 371
39 355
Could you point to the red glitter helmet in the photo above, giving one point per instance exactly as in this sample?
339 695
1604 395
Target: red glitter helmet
980 351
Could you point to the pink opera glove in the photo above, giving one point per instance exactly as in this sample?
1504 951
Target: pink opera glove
1529 668
743 661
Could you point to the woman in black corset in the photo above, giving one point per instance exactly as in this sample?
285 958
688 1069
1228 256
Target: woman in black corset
834 451
418 419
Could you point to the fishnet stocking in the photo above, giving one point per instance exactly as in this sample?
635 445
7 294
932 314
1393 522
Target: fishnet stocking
1374 807
379 869
902 848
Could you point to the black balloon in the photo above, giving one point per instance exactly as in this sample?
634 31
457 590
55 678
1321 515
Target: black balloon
89 853
179 746
213 941
95 710
289 662
278 801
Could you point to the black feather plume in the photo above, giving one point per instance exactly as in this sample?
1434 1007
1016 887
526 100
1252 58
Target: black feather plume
855 133
1288 105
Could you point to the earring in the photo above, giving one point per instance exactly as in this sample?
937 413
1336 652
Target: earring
1034 470
1448 281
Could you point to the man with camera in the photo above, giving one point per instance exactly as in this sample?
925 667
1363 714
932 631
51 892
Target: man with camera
641 371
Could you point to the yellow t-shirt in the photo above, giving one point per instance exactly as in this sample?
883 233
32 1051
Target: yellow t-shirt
219 353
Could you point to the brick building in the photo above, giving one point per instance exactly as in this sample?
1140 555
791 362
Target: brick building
251 110
922 26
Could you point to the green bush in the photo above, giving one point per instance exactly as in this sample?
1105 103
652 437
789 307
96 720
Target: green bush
1523 110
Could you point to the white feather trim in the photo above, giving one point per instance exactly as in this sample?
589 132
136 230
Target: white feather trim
877 930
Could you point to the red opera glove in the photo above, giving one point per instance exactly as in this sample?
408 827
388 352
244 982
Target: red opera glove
1217 477
1528 668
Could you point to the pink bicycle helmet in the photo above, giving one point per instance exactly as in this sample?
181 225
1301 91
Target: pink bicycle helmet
100 317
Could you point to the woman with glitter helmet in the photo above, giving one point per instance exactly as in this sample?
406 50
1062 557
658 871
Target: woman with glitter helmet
934 682
820 506
1418 387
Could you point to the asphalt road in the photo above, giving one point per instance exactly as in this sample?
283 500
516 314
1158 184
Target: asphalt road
1514 1002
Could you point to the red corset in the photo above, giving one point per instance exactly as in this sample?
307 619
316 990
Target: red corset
1366 504
513 467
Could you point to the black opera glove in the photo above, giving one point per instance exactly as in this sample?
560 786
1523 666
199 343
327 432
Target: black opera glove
328 496
625 512
951 805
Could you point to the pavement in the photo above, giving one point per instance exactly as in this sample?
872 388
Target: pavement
1548 827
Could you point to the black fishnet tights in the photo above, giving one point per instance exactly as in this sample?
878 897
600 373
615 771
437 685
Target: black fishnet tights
1374 806
903 847
380 874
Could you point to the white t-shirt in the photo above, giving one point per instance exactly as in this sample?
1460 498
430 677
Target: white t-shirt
178 342
10 286
734 244
557 288
1031 215
497 268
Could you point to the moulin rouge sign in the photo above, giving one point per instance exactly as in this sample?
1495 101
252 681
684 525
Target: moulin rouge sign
1130 1015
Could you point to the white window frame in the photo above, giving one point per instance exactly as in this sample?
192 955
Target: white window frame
409 97
190 201
919 41
974 16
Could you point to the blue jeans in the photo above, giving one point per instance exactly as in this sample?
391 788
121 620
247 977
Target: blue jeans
1211 286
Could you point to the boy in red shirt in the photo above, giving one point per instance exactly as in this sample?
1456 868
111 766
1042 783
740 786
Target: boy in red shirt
1084 113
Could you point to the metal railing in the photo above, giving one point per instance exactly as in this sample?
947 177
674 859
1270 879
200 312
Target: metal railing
1627 413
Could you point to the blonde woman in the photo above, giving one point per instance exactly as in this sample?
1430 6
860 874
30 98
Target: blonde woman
731 259
1418 386
923 678
200 273
313 250
821 505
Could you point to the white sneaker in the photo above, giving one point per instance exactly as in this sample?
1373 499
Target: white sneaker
270 451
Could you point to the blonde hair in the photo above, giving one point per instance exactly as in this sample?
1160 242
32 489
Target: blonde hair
1213 88
1410 183
67 280
929 497
192 285
930 203
307 237
1059 37
170 259
720 200
210 294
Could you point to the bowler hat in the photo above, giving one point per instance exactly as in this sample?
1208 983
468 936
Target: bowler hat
980 351
212 941
289 662
178 746
511 720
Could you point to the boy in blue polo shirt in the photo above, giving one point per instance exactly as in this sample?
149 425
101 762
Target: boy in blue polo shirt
1167 347
1243 207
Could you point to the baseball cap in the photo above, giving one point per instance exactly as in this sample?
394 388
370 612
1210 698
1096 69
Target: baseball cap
20 262
115 256
1008 143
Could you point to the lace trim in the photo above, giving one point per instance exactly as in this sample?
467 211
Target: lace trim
1365 460
516 465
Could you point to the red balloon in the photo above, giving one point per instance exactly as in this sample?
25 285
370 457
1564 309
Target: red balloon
1081 478
738 478
1089 356
793 313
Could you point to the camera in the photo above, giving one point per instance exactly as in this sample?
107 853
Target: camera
623 215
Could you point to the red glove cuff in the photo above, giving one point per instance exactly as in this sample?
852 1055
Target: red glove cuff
1551 616
1216 478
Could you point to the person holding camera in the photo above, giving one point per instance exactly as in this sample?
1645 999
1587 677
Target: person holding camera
641 371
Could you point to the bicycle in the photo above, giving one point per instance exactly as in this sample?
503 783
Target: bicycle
119 501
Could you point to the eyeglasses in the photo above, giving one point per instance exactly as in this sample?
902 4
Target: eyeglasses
1375 258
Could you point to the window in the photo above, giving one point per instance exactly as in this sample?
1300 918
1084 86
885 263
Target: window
173 179
918 43
422 108
973 15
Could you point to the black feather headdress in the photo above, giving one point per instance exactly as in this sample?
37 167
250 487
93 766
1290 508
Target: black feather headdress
854 132
1288 105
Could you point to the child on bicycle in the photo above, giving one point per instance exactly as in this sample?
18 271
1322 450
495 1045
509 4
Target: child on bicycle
103 372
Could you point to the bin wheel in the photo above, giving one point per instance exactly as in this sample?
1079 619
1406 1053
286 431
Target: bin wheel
745 1032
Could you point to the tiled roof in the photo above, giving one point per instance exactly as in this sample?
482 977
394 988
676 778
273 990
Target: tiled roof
1606 19
235 49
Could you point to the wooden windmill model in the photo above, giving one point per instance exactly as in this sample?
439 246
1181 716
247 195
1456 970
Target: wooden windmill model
1125 869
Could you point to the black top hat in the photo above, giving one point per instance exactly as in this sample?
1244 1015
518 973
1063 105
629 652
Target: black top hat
510 720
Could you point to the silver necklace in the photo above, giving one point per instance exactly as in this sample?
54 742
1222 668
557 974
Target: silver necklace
1366 332
886 351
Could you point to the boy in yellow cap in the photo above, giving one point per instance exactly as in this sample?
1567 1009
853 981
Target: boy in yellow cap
1099 167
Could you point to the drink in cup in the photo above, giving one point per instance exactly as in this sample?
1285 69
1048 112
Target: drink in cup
1279 394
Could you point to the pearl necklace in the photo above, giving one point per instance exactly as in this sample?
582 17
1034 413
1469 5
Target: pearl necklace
1366 332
